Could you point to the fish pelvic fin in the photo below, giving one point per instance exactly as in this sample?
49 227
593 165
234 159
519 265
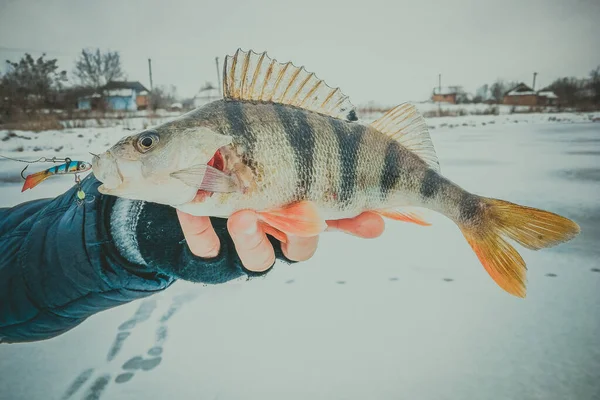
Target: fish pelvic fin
299 219
530 227
34 179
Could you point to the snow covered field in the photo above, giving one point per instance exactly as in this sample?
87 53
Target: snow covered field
410 315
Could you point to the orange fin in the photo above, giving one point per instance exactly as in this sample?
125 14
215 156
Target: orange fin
300 219
406 216
34 179
276 233
530 227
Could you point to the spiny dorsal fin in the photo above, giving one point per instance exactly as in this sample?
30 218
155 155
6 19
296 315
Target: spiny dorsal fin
256 77
404 124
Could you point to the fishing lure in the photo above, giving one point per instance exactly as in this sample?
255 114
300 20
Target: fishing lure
69 167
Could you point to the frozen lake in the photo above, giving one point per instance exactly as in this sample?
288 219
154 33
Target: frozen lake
410 315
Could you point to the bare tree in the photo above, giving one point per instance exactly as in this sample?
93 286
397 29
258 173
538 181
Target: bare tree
30 84
95 68
566 89
595 84
163 96
497 90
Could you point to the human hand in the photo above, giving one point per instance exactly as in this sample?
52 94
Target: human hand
252 245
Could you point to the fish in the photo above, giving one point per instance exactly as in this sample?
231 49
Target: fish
70 167
283 143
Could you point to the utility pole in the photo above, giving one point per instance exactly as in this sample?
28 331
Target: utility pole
151 87
439 112
150 72
218 75
533 86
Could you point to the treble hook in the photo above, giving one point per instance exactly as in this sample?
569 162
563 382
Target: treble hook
23 176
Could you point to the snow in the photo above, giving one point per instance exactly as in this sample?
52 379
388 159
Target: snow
521 93
549 95
411 314
445 90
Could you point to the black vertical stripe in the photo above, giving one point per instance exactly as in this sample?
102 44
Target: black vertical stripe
302 140
431 184
469 206
349 137
391 172
234 112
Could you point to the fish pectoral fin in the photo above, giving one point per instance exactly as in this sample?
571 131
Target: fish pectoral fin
300 219
403 215
205 177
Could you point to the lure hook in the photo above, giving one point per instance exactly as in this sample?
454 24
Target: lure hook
23 171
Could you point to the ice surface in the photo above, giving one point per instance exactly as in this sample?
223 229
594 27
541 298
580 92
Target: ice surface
411 315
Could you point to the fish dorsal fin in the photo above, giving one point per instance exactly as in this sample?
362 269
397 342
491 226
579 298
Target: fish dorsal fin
256 77
406 125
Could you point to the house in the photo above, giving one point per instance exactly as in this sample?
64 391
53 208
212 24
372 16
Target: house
445 94
117 96
207 94
125 96
450 94
521 95
546 97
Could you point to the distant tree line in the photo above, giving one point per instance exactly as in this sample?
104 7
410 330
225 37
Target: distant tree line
572 92
32 85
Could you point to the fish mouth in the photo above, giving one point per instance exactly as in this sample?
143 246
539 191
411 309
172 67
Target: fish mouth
106 170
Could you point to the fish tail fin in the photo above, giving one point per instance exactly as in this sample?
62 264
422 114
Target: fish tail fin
530 227
34 179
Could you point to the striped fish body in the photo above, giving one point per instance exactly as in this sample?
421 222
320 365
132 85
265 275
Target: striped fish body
289 147
294 155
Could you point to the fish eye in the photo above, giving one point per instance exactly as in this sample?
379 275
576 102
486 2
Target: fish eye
83 166
146 141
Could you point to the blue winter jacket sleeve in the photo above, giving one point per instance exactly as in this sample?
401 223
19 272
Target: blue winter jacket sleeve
59 263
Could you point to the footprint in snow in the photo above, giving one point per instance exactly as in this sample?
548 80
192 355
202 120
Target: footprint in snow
142 314
95 391
78 383
138 363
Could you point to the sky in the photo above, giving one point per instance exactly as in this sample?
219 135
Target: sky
387 52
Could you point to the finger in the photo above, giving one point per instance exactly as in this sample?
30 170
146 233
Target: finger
251 243
367 225
299 248
199 235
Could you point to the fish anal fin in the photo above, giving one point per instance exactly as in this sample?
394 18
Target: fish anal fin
276 233
250 76
403 215
408 127
299 219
